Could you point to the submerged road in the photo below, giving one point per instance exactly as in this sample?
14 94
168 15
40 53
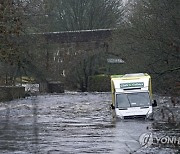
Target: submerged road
66 124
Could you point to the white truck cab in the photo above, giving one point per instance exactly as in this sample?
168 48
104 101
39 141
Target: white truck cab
132 95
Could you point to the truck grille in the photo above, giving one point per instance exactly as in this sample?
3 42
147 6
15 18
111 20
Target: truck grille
135 117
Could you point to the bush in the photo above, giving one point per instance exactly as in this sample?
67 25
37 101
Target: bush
100 83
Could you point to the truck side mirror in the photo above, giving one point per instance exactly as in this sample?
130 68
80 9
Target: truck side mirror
112 106
154 104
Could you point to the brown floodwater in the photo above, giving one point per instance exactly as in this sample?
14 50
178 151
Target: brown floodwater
66 124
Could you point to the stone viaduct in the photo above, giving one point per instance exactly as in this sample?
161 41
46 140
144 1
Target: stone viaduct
62 48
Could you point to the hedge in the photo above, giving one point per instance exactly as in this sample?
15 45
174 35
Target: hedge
99 83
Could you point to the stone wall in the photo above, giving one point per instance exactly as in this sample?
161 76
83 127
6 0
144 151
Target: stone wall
55 87
43 87
51 87
8 93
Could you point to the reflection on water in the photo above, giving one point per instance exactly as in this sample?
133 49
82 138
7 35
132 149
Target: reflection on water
66 123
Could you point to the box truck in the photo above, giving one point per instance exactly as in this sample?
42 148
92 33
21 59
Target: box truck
132 95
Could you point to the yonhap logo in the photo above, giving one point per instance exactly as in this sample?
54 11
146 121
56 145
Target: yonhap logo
148 139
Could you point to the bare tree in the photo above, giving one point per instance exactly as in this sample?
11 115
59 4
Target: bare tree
150 38
69 15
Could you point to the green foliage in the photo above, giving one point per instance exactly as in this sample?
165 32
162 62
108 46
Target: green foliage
100 83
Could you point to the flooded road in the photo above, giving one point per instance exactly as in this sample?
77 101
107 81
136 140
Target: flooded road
66 124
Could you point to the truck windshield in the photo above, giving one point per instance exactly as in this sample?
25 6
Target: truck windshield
132 100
